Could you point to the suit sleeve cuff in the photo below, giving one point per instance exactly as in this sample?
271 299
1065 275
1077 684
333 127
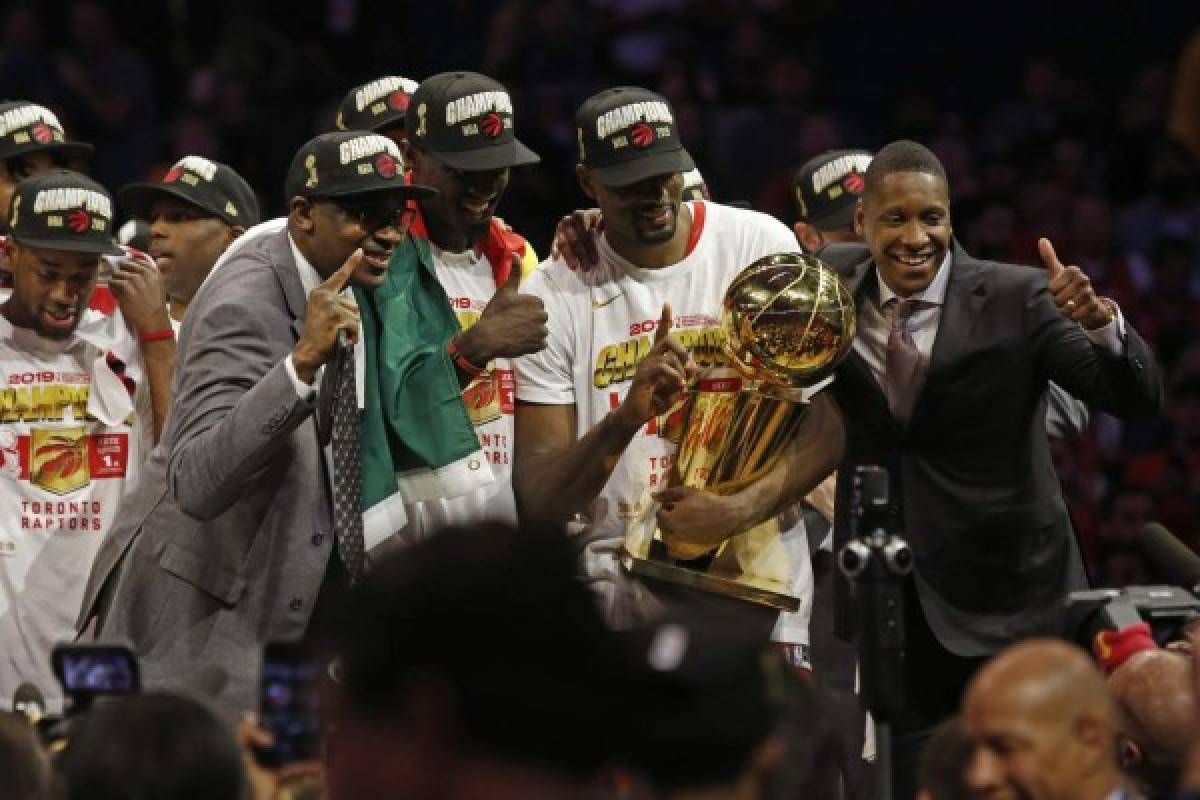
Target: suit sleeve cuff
304 390
1111 336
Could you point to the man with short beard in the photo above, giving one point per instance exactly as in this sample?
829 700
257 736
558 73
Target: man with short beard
588 451
78 414
238 503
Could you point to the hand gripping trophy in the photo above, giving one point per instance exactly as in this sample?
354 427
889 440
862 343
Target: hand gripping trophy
787 322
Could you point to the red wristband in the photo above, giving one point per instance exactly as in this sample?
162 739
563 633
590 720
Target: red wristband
461 361
156 336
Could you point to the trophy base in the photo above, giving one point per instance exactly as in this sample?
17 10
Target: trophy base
747 588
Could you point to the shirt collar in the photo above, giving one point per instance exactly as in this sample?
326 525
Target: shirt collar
932 295
309 277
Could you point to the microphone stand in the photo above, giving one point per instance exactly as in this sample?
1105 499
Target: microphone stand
877 563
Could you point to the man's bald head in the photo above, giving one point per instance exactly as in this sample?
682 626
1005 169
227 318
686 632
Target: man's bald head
1041 725
1156 714
1044 678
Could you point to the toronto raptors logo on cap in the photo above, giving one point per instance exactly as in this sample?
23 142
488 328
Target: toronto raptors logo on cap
492 125
398 101
41 133
641 134
385 165
853 183
79 221
173 174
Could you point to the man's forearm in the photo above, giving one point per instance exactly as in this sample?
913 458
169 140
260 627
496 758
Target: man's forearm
159 357
815 452
552 487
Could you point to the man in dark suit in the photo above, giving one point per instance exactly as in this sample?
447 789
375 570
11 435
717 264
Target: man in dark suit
946 388
229 539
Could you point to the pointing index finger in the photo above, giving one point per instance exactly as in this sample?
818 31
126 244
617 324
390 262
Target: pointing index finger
338 280
664 324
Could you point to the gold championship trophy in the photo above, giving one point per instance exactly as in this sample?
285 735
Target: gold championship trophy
787 322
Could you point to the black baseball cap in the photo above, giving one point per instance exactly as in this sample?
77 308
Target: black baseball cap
702 702
828 186
63 210
628 134
210 186
376 105
346 163
29 128
466 121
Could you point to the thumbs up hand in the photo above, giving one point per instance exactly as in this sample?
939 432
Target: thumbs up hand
512 324
1072 291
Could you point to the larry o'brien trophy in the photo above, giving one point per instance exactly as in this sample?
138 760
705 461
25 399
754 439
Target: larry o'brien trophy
787 322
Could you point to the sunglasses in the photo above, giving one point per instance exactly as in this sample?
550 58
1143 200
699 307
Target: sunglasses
372 215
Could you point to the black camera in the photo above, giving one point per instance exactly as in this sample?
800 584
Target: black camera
1167 609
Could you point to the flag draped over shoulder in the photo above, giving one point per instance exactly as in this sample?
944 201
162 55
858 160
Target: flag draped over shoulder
417 440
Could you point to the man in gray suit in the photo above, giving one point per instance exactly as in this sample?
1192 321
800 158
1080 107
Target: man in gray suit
228 542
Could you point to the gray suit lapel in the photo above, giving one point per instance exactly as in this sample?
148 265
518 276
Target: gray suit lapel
288 273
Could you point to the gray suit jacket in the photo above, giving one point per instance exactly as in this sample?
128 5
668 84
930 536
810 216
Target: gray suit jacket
224 543
974 487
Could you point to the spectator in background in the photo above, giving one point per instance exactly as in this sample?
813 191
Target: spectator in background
25 68
1172 470
1170 310
1183 120
107 89
1168 206
150 747
1090 224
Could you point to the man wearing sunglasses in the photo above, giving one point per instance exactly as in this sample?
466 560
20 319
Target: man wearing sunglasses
237 504
462 142
195 212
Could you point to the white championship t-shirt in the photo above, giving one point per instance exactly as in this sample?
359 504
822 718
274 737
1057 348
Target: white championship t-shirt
490 400
602 323
74 427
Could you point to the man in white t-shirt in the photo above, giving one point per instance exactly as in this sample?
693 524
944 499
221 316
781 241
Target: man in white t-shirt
76 414
624 340
461 141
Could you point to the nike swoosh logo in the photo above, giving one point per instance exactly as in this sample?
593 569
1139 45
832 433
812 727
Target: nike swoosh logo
603 303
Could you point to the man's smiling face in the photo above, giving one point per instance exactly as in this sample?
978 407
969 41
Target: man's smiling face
905 220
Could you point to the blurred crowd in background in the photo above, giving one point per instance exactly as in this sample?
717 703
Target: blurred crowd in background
1082 127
